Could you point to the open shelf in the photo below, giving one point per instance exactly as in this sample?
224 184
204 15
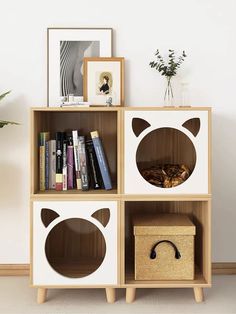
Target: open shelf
198 212
104 120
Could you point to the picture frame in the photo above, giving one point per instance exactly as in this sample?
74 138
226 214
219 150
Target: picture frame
66 48
104 81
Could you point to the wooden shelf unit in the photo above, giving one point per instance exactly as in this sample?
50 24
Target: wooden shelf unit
111 124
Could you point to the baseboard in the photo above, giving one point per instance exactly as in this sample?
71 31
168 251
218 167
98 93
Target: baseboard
23 269
224 268
14 269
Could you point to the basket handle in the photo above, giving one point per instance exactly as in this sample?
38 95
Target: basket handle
153 253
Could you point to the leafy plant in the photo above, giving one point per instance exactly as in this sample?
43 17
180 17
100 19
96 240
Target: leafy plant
168 68
2 122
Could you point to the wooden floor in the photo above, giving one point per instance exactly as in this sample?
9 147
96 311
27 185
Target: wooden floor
17 298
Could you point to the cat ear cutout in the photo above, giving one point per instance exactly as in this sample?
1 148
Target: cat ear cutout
102 215
139 125
47 216
193 125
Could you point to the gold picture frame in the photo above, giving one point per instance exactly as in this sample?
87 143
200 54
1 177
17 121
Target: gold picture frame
104 81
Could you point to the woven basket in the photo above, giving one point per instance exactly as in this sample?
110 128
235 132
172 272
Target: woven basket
164 247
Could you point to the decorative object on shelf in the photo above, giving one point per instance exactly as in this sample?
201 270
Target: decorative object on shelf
164 247
66 49
109 101
3 122
103 78
168 69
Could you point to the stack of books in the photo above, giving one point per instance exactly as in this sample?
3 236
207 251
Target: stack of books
69 161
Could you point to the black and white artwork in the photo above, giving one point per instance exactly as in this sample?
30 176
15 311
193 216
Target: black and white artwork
71 64
67 47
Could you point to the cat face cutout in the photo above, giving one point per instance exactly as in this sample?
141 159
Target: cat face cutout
78 243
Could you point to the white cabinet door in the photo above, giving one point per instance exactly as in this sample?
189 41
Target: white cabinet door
74 243
162 137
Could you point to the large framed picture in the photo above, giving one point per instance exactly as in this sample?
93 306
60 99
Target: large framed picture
104 81
67 48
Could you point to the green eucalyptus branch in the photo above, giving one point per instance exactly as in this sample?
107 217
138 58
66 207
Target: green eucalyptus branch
170 67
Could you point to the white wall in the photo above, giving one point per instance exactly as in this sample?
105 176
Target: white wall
204 28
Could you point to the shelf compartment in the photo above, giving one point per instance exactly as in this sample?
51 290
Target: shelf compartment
198 212
162 138
104 121
74 243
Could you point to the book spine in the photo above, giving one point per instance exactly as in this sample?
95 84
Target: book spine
64 169
42 168
76 159
83 163
52 164
102 162
70 163
59 162
43 137
47 165
95 175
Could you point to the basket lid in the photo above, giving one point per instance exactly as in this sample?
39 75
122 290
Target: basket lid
163 224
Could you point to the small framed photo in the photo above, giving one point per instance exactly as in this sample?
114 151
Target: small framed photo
67 48
104 81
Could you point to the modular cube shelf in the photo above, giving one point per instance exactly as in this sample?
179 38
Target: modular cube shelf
85 239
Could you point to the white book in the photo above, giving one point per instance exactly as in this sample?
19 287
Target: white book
52 164
76 159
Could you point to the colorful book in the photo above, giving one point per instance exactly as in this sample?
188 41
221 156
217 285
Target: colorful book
43 137
102 162
70 162
52 164
76 159
64 167
94 171
59 161
47 165
83 163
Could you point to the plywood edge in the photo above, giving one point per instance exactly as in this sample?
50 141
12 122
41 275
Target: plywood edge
70 109
166 108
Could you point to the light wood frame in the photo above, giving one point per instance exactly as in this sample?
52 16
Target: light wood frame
202 210
121 60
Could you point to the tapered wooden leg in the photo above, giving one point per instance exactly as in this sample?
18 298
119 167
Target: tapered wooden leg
111 295
198 294
130 295
41 297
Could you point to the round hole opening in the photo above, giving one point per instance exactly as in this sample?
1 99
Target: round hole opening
166 157
75 248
